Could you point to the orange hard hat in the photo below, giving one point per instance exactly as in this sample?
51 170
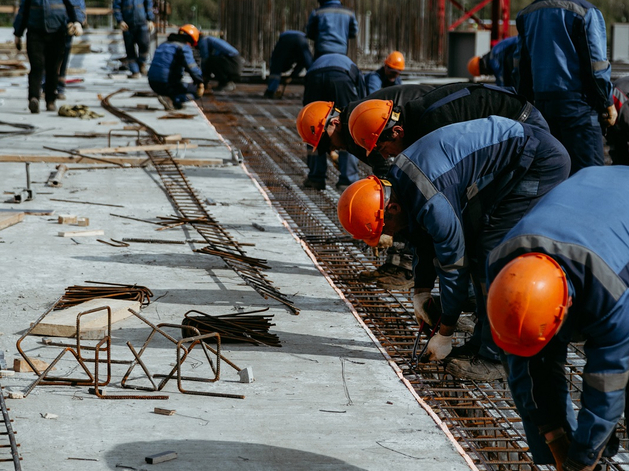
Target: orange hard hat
191 31
473 66
395 60
368 120
527 303
312 120
361 208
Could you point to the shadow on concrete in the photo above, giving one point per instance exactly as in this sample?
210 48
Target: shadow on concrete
201 455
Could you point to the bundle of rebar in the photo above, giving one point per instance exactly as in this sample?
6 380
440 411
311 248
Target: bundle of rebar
79 294
240 327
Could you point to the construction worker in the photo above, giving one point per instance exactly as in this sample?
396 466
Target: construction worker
81 17
291 52
618 135
390 129
396 272
171 59
387 75
456 192
561 273
220 60
47 23
561 66
497 62
331 26
335 80
135 20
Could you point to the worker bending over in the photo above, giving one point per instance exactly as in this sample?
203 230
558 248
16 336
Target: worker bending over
562 273
171 59
456 193
291 52
497 62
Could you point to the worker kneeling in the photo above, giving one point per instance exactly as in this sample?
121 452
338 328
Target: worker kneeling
454 194
564 270
170 61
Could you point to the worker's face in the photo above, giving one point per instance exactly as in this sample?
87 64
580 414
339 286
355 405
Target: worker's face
392 144
391 74
334 131
394 218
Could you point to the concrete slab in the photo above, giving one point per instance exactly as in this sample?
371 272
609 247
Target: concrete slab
327 399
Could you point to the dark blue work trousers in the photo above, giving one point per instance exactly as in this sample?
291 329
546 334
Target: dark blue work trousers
336 86
575 124
136 35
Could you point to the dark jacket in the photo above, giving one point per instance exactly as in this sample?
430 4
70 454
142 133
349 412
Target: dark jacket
330 27
133 12
171 59
47 16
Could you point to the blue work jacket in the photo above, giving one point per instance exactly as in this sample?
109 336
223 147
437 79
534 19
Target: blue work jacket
435 179
133 12
376 80
170 61
211 46
583 225
43 15
500 61
562 52
330 27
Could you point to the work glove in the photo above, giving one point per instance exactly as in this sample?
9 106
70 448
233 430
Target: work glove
18 42
608 117
200 90
123 26
151 26
75 29
420 306
439 347
385 242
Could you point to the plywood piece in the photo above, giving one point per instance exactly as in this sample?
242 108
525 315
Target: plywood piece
62 323
10 218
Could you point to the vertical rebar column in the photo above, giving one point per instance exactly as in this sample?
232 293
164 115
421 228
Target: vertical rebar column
10 434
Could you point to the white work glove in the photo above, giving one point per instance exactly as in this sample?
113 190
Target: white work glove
200 90
151 26
123 26
439 347
420 298
18 42
75 29
385 241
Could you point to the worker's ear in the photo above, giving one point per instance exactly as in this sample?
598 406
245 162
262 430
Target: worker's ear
397 131
393 208
333 124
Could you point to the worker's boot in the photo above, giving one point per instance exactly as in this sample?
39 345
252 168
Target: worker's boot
33 105
475 368
166 102
389 276
144 70
50 106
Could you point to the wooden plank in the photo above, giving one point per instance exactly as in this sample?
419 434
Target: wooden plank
160 411
118 160
115 150
62 323
8 219
20 365
96 232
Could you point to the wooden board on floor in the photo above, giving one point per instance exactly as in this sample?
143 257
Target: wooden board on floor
62 323
10 218
65 159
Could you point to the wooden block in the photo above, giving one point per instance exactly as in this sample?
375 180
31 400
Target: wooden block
173 138
20 365
81 233
161 457
160 411
83 221
67 219
8 219
62 323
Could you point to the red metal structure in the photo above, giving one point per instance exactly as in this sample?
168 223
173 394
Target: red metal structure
499 17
